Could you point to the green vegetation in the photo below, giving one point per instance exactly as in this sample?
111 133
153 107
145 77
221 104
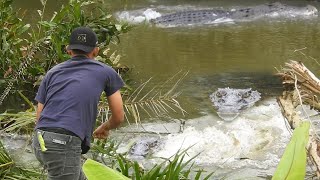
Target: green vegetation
95 171
29 51
11 45
293 162
9 170
32 50
173 168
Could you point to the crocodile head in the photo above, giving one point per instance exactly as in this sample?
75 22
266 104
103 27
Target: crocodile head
143 147
230 102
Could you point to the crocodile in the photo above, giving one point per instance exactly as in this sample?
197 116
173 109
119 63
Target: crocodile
210 16
230 102
143 147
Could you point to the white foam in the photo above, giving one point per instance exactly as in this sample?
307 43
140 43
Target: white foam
251 136
151 14
255 140
223 20
137 16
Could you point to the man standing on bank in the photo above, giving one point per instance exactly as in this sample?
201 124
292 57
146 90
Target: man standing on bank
67 107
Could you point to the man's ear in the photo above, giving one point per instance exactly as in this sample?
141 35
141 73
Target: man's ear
68 51
96 51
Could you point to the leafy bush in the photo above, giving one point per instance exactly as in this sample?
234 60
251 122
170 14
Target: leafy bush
26 57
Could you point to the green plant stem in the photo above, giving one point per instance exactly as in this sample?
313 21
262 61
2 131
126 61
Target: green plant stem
41 18
7 164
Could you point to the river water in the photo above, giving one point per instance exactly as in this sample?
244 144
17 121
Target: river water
233 54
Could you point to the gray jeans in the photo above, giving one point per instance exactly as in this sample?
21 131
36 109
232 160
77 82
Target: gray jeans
62 159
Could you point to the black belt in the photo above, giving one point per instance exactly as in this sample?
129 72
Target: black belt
58 130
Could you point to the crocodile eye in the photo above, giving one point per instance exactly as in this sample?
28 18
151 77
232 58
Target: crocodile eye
242 101
218 94
246 94
221 101
221 93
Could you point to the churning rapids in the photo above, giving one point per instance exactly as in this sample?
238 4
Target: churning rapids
252 143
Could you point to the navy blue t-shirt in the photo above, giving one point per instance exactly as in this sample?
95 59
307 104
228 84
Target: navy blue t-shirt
70 92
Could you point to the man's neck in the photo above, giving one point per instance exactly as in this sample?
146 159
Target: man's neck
88 56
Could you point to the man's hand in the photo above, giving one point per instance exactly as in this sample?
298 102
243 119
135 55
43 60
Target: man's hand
101 132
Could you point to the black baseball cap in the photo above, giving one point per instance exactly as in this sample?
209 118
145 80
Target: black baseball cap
83 38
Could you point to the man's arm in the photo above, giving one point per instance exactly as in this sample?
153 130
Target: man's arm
116 118
39 110
117 113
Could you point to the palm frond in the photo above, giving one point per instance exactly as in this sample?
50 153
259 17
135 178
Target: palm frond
9 170
156 102
17 122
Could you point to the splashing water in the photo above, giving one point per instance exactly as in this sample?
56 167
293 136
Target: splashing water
138 16
185 16
256 139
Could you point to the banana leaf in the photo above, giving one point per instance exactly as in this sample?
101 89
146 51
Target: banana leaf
97 171
292 165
